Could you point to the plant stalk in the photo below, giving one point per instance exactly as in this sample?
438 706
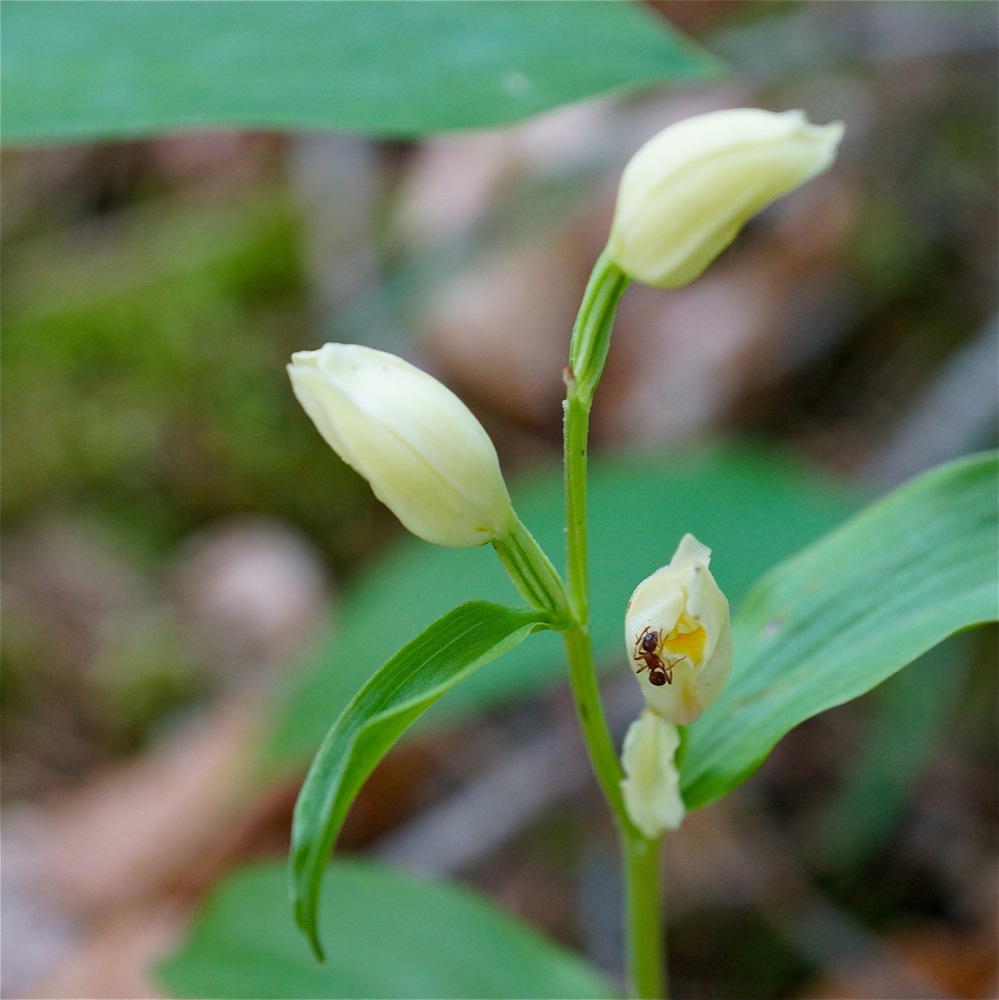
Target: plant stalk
587 355
592 721
645 933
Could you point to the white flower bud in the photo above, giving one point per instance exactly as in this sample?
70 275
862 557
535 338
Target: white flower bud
651 786
678 635
688 191
425 455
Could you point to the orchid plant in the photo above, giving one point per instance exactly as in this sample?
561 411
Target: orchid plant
719 691
683 198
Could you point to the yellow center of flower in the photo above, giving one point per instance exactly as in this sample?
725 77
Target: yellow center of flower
687 638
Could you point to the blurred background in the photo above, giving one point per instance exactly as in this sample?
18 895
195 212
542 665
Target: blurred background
178 541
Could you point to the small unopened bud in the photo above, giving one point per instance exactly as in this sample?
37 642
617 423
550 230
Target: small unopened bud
651 786
425 455
678 635
688 191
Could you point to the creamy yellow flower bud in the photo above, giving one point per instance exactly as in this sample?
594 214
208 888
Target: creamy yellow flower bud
651 786
688 191
425 455
678 635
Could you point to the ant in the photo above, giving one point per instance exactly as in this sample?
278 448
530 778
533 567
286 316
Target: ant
647 649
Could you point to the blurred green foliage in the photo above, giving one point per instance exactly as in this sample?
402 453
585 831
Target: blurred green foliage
107 70
391 935
144 378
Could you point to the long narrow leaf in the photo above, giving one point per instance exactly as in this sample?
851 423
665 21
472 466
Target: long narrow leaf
102 70
839 618
406 686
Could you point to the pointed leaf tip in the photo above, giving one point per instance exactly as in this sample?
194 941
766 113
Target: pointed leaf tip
438 658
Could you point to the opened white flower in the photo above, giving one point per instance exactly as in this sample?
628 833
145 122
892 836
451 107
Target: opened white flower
688 191
651 786
425 455
678 635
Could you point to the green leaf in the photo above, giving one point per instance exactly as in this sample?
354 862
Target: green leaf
839 618
752 507
432 663
908 715
393 936
98 70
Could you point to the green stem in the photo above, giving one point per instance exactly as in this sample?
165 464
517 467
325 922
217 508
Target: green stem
577 429
592 721
578 647
587 355
588 350
645 934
